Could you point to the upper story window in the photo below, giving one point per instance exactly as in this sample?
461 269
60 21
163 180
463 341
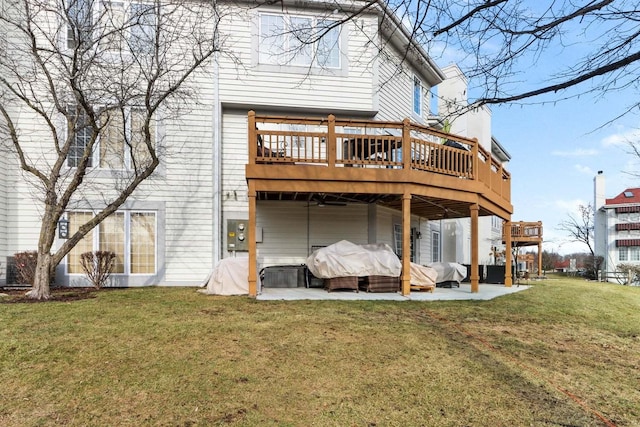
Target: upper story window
81 139
116 24
299 41
121 141
80 22
417 96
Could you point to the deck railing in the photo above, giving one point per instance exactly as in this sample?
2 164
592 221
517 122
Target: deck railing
525 231
372 144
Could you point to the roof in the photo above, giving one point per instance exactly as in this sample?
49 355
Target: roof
627 197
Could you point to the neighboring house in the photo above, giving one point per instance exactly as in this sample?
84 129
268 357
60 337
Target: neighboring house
275 186
616 227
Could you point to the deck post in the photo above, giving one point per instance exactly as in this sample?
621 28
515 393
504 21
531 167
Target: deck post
406 144
475 160
508 278
406 244
252 137
332 143
253 277
475 277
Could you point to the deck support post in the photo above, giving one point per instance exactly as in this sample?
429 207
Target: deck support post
540 249
406 244
475 277
508 279
253 276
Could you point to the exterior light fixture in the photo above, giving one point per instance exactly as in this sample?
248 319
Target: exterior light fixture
63 228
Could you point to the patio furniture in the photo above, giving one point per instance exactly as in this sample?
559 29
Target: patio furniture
379 284
349 282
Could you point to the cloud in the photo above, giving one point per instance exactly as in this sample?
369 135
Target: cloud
570 207
584 170
622 138
578 152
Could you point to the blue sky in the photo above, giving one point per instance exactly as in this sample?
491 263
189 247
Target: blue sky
557 148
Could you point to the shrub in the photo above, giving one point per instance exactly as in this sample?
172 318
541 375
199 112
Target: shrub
98 266
26 266
628 274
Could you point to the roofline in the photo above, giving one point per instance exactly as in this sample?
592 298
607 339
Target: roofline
436 73
501 148
400 39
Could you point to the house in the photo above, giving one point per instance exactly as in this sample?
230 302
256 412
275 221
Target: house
292 147
616 227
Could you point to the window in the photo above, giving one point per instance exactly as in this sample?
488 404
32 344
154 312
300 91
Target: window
79 23
111 238
82 134
397 237
417 96
122 140
435 246
299 41
142 19
129 25
130 235
77 219
623 254
634 253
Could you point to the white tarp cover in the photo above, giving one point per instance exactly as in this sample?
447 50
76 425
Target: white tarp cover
346 259
229 277
449 271
422 276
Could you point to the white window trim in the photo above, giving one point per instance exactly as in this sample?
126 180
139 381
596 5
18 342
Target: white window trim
343 42
95 237
314 23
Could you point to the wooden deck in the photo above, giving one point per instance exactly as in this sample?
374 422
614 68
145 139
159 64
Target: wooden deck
444 173
411 168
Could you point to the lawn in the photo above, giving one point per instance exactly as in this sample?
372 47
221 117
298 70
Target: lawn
563 353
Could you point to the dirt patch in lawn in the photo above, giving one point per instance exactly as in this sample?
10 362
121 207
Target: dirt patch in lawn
18 296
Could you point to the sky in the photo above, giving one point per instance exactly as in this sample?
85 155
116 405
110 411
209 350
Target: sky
558 146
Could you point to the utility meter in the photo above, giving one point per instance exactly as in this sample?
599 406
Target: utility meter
237 236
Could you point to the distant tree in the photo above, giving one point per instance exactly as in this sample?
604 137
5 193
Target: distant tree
581 230
549 260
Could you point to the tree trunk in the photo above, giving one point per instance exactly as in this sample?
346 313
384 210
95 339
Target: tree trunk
42 277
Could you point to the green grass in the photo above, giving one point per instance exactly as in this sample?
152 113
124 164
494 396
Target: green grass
175 357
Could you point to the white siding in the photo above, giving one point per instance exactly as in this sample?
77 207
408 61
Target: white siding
252 83
290 229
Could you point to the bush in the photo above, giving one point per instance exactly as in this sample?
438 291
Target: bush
98 266
628 274
26 267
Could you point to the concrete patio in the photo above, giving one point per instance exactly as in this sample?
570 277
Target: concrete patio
486 292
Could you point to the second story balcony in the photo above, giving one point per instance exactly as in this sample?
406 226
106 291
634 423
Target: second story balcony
524 233
374 161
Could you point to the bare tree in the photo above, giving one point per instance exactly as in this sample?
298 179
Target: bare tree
581 230
80 76
593 44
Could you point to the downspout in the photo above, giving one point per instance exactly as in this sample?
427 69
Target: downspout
216 157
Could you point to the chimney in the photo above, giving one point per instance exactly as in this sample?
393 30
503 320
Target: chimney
598 191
